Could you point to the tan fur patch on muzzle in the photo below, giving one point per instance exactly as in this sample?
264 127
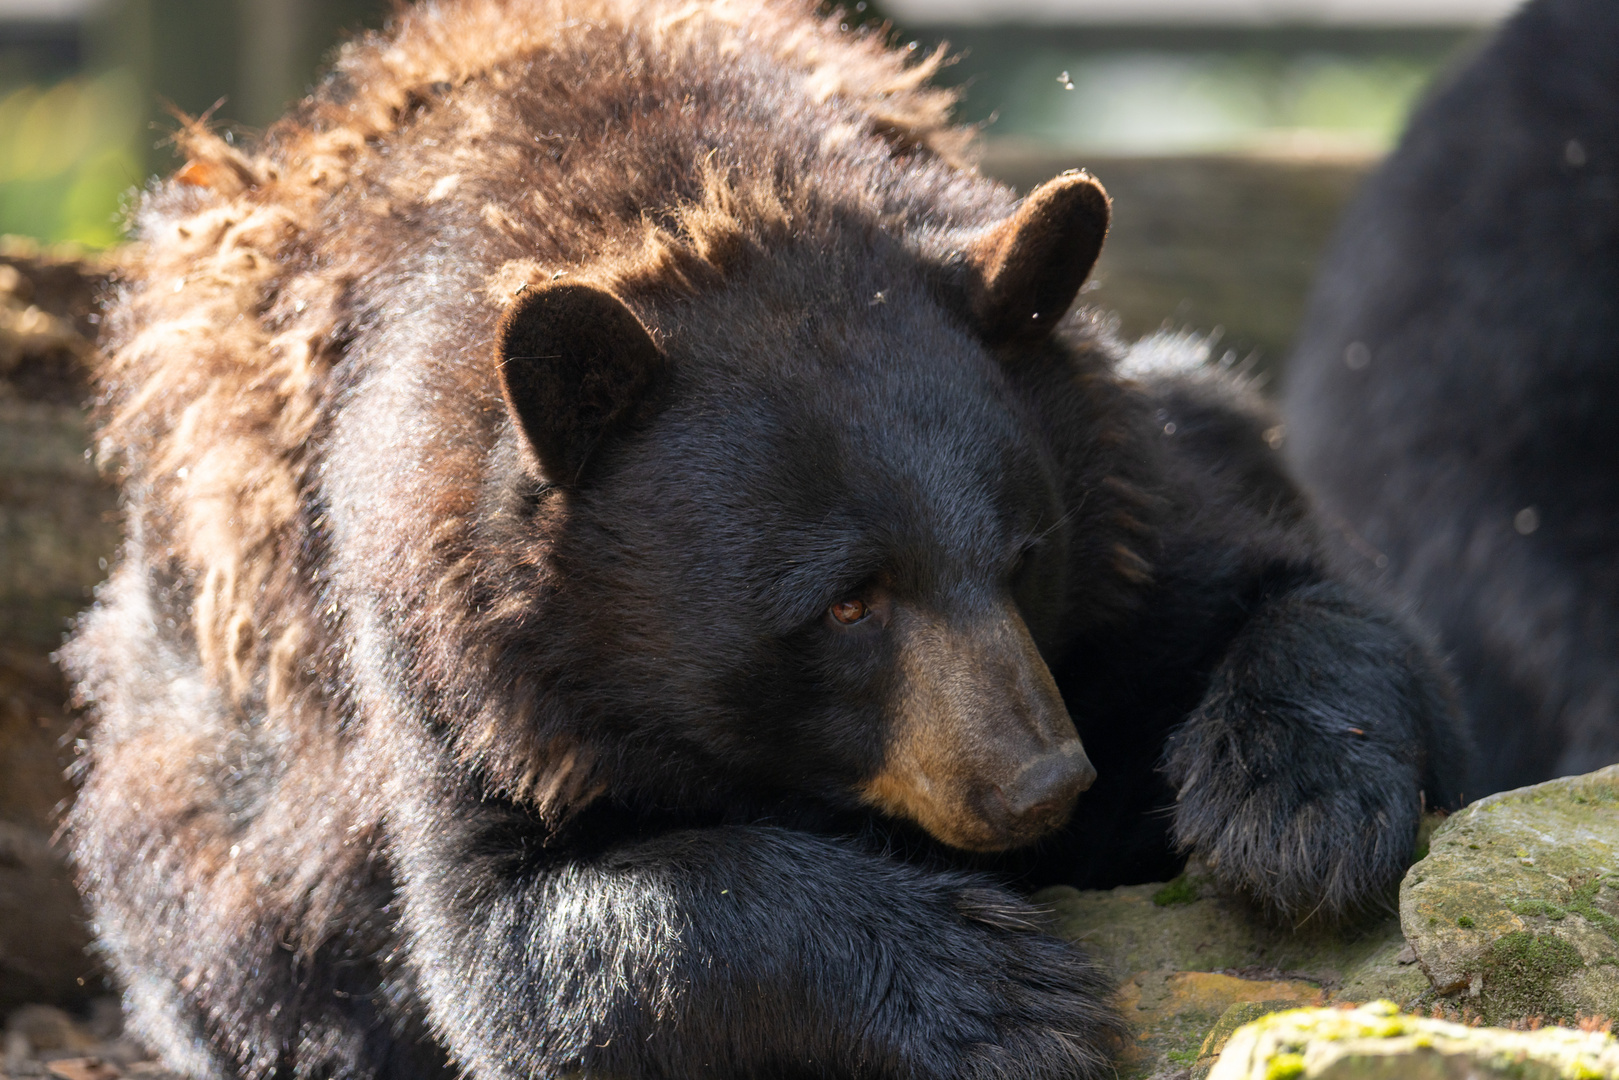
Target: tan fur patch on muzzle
975 705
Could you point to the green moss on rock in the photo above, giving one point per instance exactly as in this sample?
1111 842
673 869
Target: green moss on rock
1522 974
1193 969
1510 914
1538 907
1377 1042
1583 902
1182 890
1238 1015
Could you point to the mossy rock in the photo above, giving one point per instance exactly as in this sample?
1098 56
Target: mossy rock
1377 1042
1237 1016
1193 965
1516 908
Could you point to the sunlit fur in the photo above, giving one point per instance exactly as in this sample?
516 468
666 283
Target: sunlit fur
409 758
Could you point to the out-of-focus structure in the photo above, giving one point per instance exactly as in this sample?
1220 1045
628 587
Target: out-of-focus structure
1230 132
87 86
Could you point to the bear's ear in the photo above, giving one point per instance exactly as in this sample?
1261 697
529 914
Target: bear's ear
576 366
1023 273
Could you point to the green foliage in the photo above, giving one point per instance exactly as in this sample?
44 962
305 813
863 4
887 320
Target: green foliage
1183 890
68 156
1259 93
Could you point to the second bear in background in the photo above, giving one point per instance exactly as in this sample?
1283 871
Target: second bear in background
1451 401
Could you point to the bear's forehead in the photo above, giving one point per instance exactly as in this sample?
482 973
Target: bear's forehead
810 421
870 369
842 468
923 413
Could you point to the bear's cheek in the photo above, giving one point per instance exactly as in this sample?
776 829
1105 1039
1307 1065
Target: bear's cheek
979 749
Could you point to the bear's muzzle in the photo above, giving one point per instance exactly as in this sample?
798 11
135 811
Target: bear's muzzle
980 751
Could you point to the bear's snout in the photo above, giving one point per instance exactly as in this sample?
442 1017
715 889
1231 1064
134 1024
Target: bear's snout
1046 786
980 749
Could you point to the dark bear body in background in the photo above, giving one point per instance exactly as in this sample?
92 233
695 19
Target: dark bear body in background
1452 401
618 551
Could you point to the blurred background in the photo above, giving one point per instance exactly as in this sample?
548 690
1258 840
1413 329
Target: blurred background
1230 133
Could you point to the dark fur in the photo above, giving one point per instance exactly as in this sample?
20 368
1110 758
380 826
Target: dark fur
1479 270
421 742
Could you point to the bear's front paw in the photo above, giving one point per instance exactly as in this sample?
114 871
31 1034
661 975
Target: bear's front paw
1299 778
1049 1008
1301 849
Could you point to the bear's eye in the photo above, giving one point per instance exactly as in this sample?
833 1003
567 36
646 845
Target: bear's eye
849 612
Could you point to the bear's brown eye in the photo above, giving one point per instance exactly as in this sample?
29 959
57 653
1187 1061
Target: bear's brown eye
849 612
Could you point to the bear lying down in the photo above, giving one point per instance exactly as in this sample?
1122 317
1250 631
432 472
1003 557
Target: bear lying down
629 569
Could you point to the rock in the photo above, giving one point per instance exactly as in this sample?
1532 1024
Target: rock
55 510
84 1068
1516 907
1375 1041
1194 965
42 933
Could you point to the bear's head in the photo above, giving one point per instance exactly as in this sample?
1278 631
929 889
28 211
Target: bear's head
807 536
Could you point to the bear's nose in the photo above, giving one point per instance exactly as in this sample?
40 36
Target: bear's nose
1046 786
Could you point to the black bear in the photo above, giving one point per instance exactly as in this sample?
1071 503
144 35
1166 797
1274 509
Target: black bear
1450 398
626 574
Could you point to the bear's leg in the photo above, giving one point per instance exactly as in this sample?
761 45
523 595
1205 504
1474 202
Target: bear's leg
231 886
1301 775
231 964
736 951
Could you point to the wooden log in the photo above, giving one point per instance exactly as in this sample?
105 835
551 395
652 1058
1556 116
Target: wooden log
57 529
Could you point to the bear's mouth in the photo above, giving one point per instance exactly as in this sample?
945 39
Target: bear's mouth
980 749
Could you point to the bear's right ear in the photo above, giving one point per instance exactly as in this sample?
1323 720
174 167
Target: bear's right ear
576 366
1024 272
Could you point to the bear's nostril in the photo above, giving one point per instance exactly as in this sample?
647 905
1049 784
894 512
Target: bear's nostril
1049 783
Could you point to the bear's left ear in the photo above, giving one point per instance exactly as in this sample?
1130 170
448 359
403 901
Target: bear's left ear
1024 272
576 367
